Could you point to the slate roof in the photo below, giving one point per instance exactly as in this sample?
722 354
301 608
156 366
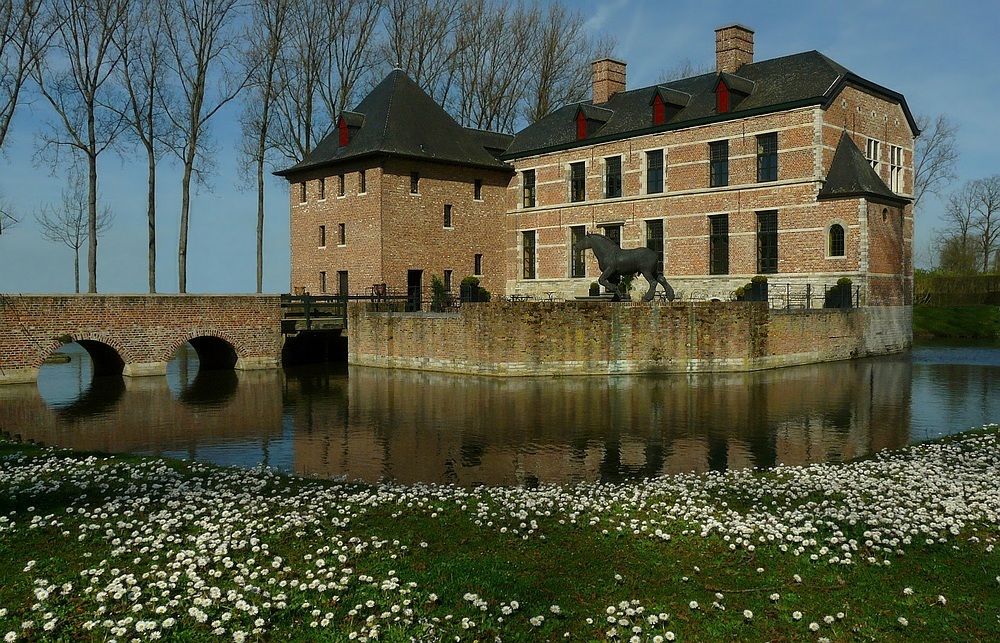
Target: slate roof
808 78
851 175
399 119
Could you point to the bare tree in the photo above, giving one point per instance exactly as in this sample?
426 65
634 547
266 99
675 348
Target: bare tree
67 223
560 62
935 152
421 39
8 218
684 69
201 38
351 49
301 119
141 44
491 65
268 24
985 194
22 39
76 76
955 245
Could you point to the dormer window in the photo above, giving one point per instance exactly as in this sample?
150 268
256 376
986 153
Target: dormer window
666 102
730 91
722 98
590 119
345 136
348 125
659 110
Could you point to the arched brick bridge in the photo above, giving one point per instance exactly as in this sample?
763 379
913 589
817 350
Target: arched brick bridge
138 334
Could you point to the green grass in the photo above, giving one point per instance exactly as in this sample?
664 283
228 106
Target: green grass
979 322
585 549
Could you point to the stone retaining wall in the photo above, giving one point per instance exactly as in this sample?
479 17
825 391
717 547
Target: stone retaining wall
583 338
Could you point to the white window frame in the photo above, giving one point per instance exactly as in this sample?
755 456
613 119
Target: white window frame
872 149
895 168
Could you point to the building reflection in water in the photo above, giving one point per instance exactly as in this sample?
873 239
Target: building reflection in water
428 427
409 426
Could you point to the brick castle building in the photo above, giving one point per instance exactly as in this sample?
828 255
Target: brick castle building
795 168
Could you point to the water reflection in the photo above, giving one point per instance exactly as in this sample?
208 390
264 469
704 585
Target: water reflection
376 424
411 426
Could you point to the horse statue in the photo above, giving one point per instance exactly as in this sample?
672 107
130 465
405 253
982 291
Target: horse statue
616 263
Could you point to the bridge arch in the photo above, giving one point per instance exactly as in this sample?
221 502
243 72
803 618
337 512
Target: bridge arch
216 349
107 355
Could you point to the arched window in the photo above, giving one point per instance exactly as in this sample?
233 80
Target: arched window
836 246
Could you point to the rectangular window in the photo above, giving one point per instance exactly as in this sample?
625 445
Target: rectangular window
447 281
654 171
718 153
341 187
477 190
322 236
414 182
767 157
322 281
612 177
477 265
895 168
871 153
342 228
342 283
528 254
447 215
718 245
767 242
362 182
654 240
302 192
577 256
322 189
613 231
577 182
528 188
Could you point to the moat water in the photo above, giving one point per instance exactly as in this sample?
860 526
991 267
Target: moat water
372 424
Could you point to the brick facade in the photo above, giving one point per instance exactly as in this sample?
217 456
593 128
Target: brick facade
143 331
390 231
807 139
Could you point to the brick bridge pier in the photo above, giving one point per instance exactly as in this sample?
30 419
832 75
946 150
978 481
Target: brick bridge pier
137 334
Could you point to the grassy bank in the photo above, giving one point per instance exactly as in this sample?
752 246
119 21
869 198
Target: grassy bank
897 547
977 322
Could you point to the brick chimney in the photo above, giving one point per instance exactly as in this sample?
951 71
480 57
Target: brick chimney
609 79
733 48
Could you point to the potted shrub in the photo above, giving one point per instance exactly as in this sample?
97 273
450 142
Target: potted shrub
839 295
758 288
439 296
740 293
469 289
595 289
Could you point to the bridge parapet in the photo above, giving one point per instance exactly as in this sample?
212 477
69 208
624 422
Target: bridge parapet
142 331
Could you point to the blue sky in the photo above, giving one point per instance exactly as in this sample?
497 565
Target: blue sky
940 55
